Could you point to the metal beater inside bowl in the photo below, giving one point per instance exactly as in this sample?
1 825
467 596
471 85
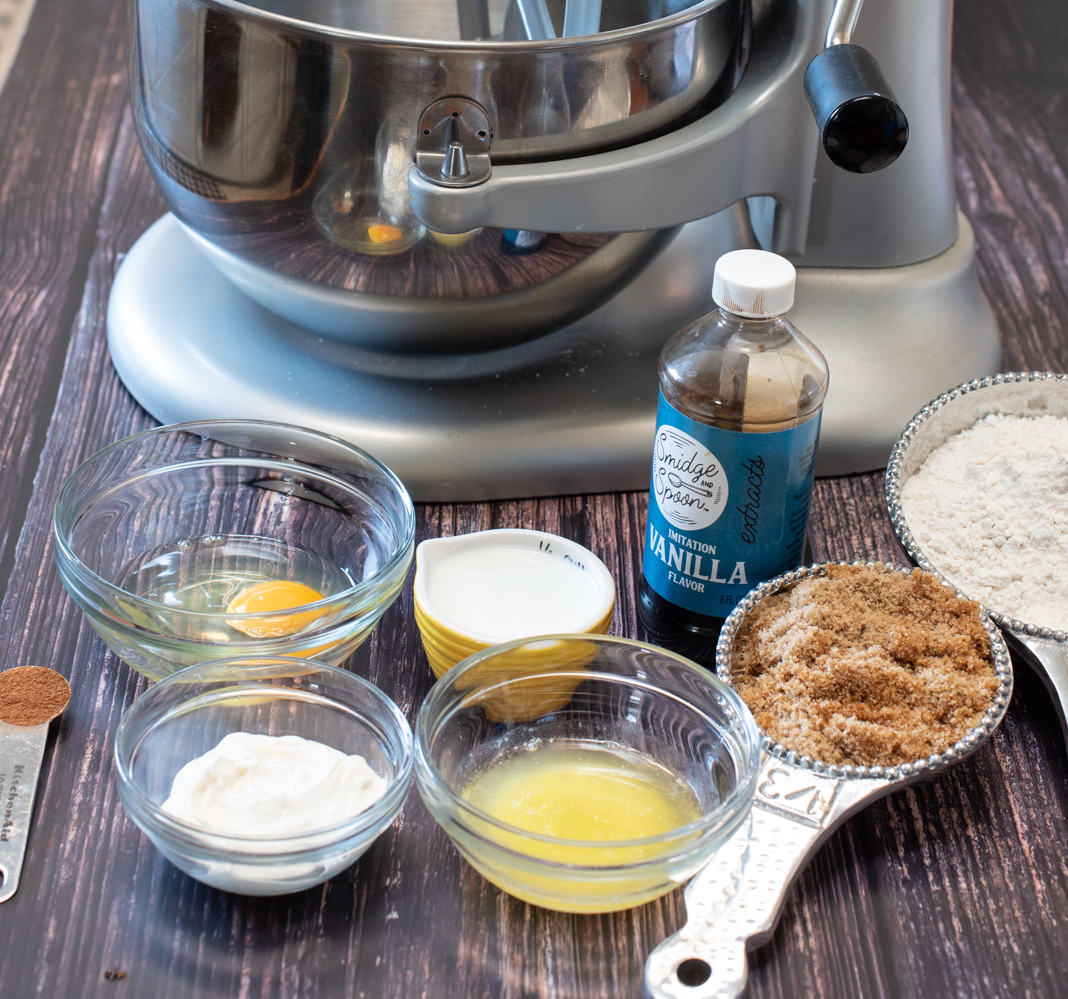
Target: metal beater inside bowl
1030 394
735 901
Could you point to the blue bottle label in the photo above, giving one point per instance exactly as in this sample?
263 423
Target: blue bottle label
727 510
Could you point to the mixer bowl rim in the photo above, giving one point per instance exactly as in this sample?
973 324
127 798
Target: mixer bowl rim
486 45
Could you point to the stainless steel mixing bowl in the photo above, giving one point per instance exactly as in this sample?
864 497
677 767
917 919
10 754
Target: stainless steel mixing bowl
283 134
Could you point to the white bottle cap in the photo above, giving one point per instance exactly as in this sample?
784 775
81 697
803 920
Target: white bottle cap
754 284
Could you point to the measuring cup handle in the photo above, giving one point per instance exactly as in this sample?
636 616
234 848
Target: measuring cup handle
733 902
1052 660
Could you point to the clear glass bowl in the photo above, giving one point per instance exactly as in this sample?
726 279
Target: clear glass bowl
189 712
159 534
596 693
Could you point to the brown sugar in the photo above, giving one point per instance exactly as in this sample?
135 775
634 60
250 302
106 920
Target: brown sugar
865 666
32 695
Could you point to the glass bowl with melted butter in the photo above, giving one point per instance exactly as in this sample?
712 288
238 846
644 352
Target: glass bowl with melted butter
220 538
585 773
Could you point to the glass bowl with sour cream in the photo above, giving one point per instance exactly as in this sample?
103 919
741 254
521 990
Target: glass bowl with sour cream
263 776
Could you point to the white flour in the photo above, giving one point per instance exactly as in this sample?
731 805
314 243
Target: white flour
990 509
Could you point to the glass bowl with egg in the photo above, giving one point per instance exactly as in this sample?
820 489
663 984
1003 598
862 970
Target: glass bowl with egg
263 776
228 537
585 773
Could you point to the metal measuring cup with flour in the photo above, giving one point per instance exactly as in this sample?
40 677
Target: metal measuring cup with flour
977 489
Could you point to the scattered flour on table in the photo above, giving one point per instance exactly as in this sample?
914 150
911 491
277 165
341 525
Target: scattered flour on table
990 509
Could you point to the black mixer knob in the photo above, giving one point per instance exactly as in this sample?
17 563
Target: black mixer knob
863 127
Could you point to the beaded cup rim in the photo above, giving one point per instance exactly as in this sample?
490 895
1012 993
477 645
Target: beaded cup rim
894 484
934 763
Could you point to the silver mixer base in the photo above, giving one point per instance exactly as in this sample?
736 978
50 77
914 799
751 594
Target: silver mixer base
571 412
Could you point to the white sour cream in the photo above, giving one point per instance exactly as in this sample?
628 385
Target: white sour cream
271 786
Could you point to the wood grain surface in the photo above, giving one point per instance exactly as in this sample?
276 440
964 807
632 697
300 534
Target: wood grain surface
955 888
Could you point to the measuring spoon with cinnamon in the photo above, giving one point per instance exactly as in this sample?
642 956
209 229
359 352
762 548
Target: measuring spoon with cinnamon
30 697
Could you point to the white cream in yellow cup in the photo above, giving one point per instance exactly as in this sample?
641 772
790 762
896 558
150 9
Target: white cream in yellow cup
474 591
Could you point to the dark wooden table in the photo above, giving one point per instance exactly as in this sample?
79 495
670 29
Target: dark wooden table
957 888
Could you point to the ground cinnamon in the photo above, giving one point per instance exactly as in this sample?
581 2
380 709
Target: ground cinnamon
865 666
32 695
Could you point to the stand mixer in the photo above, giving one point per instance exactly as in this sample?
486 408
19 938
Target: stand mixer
444 234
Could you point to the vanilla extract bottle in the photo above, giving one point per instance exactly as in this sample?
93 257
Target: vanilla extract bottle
737 428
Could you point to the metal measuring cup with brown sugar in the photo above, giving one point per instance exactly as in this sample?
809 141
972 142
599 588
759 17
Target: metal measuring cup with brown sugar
735 901
30 697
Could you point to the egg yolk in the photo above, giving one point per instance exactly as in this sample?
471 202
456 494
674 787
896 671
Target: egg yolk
274 595
383 233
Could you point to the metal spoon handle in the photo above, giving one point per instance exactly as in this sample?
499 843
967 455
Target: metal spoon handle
21 753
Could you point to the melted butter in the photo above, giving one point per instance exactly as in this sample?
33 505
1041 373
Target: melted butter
578 793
